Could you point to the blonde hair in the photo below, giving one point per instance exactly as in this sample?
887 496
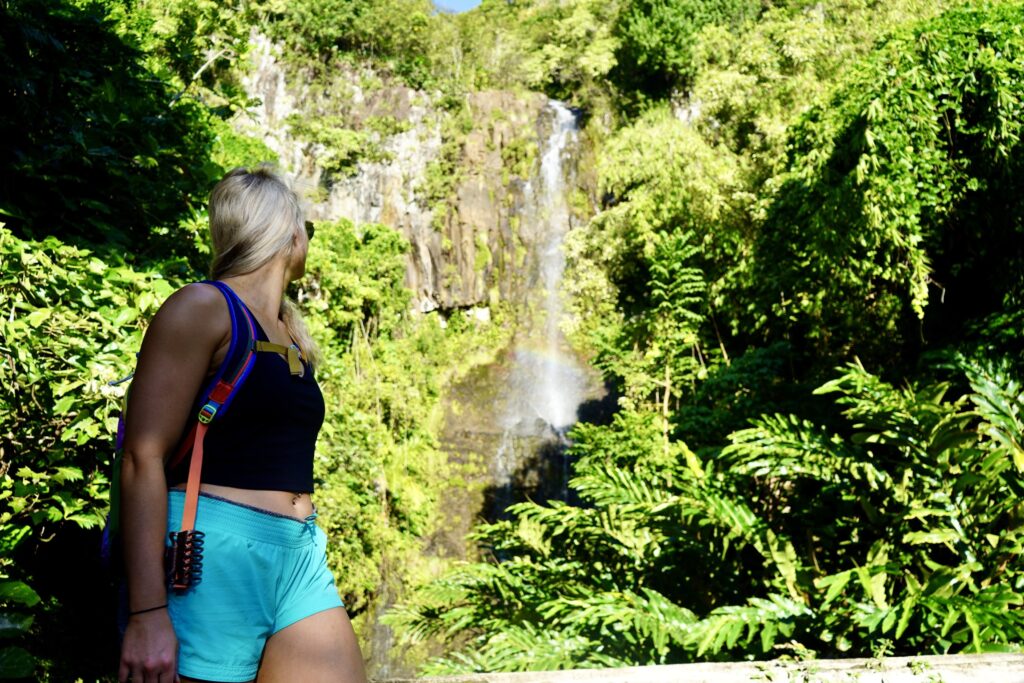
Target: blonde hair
254 216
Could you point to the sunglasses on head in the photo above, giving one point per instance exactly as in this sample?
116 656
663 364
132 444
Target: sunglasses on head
310 229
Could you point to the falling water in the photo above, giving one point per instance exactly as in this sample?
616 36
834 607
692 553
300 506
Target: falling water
545 383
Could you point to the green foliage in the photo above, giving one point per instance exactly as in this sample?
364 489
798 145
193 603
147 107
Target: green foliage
386 126
315 27
343 148
750 85
658 348
657 37
395 33
444 172
704 166
823 181
379 466
15 598
93 149
725 271
888 205
68 319
733 393
193 45
231 148
355 280
787 275
645 269
518 156
570 45
352 291
565 49
903 525
70 322
483 48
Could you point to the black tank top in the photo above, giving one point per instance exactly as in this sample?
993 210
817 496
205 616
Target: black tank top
266 438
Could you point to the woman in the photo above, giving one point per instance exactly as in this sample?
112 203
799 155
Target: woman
266 606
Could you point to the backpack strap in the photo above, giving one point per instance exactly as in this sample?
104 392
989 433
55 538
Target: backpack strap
233 370
291 352
217 395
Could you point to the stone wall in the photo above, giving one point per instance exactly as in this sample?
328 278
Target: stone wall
983 668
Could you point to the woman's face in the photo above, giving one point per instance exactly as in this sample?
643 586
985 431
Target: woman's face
297 257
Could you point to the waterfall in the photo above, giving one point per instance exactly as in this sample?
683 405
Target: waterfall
545 383
506 421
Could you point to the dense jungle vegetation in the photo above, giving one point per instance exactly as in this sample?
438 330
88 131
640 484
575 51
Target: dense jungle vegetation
803 277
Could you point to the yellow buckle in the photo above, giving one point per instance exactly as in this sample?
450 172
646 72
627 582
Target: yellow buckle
207 412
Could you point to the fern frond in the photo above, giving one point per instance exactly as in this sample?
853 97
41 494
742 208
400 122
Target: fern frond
901 418
738 520
643 621
726 627
787 446
608 484
524 647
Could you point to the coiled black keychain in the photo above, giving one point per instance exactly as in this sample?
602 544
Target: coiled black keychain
184 560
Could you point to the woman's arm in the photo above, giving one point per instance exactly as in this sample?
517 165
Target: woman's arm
187 339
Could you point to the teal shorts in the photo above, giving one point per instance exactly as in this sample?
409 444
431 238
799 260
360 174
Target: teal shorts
261 572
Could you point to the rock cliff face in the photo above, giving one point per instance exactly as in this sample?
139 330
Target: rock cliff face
455 183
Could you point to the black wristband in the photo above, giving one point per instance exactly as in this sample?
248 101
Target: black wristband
148 609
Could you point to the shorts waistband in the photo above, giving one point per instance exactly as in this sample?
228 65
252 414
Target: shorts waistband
214 512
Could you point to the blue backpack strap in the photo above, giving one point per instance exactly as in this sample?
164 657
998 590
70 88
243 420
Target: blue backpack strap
240 358
220 390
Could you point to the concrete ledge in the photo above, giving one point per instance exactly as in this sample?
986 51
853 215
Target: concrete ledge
987 668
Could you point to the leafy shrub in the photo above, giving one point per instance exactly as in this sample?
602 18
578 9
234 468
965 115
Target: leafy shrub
899 196
380 471
902 528
91 147
657 38
343 148
70 327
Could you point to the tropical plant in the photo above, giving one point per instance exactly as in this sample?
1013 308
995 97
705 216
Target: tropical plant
750 85
657 38
808 180
899 196
901 525
94 149
379 467
570 45
69 325
654 248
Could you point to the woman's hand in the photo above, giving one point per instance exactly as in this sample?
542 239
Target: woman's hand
149 652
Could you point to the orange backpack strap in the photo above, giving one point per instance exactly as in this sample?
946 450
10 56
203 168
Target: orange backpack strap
217 398
195 468
220 394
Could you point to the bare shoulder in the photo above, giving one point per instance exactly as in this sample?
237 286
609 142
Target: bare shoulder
185 341
196 312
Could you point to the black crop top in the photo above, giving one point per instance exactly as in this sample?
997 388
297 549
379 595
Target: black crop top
266 438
